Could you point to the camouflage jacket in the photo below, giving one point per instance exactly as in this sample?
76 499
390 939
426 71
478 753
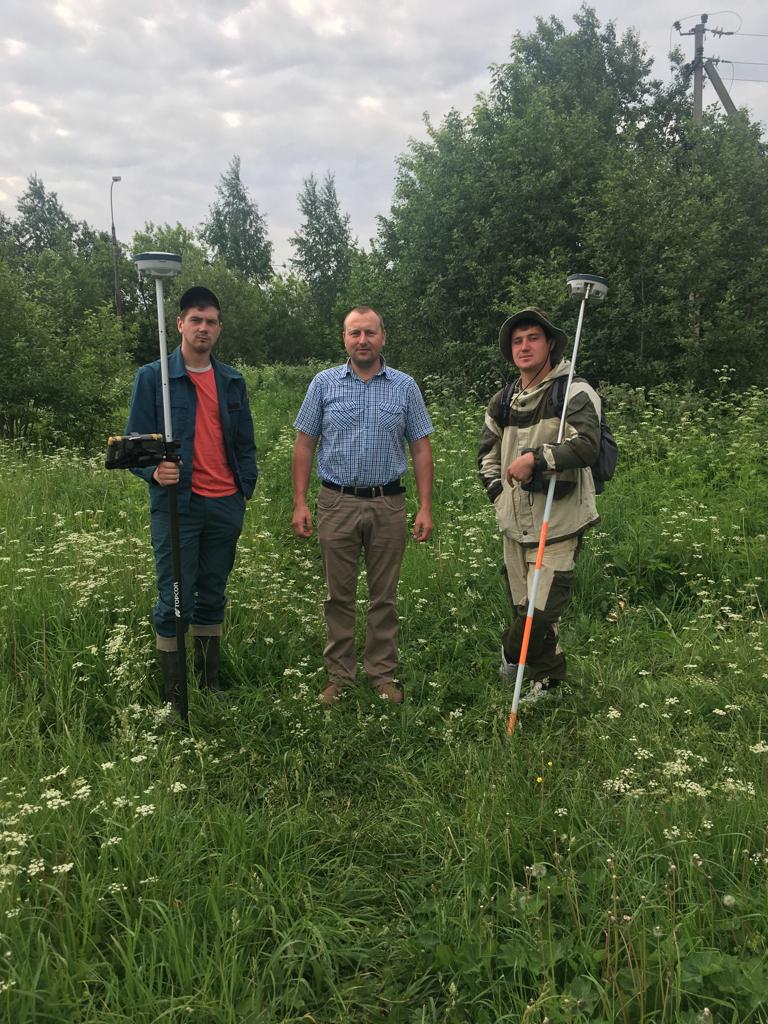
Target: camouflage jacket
532 424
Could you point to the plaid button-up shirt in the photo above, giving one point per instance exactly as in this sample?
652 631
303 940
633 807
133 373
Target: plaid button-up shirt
363 425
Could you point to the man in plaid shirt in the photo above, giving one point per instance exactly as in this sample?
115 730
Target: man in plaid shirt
362 413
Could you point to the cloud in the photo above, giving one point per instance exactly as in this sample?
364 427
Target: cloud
165 94
25 107
13 47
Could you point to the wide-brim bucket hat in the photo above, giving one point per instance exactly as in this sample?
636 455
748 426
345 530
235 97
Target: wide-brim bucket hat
532 313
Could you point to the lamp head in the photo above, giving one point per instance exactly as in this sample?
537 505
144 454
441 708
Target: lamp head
116 177
157 264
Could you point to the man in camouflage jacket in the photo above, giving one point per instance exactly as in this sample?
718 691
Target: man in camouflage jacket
518 454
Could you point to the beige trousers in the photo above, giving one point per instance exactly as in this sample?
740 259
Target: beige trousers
347 526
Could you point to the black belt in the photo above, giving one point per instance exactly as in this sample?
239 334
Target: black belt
393 487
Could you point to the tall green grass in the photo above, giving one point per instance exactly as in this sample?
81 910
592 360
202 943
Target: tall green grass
282 863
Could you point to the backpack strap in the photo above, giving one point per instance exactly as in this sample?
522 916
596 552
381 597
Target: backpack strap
506 398
558 394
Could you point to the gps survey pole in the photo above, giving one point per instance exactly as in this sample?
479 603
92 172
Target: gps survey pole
161 266
584 287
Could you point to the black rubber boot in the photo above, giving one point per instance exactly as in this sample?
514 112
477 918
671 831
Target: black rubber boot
171 675
208 666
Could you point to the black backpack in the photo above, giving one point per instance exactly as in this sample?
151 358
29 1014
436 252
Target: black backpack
604 465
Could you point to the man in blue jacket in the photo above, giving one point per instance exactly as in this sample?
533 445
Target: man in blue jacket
216 476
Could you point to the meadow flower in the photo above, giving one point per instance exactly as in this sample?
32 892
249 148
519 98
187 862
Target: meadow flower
62 869
729 901
54 800
144 810
737 786
759 748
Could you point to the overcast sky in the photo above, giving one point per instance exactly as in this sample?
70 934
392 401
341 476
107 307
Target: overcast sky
164 93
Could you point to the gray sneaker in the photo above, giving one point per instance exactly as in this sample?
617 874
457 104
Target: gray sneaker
507 669
540 690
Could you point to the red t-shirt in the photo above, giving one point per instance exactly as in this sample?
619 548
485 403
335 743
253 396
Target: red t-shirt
211 473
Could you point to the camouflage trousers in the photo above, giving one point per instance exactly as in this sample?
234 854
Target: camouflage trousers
545 658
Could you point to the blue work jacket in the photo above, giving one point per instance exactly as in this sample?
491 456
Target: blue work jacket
146 417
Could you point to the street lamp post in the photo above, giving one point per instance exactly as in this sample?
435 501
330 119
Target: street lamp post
118 295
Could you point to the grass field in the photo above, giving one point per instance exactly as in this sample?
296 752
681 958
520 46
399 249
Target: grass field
283 863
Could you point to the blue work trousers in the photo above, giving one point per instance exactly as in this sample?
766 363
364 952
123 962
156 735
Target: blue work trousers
208 535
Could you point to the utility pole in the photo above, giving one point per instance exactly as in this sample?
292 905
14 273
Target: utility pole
698 69
714 76
699 65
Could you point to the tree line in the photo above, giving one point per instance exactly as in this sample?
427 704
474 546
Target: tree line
574 159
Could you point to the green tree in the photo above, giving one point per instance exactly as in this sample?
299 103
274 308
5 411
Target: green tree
323 244
490 195
285 321
7 237
60 256
42 222
58 381
235 230
687 258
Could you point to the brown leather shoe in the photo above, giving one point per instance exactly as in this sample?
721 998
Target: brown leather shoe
331 693
390 692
